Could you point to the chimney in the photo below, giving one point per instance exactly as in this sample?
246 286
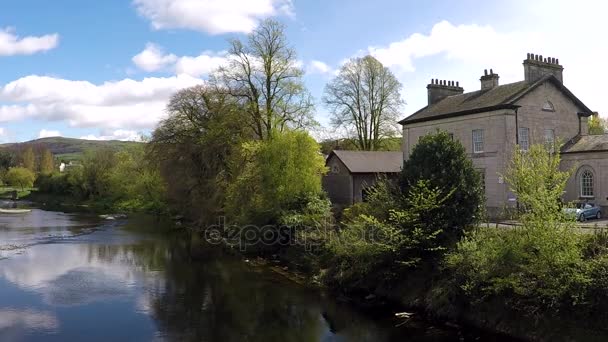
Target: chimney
437 90
535 67
489 81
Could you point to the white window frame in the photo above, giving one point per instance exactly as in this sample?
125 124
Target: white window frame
478 140
524 138
586 183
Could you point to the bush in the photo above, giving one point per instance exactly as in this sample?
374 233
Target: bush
543 268
444 163
21 177
384 245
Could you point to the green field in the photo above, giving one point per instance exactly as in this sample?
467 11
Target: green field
69 149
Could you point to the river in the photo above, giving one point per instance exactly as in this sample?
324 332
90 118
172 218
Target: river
77 277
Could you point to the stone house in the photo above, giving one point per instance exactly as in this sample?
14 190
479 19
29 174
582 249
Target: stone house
352 172
492 121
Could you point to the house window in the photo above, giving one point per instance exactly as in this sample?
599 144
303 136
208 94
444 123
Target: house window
477 140
550 138
586 183
548 107
524 138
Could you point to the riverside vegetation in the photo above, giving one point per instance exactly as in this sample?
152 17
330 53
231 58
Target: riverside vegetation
237 148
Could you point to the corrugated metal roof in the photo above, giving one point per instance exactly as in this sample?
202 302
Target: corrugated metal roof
370 161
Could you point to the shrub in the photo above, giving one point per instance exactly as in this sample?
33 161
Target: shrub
444 163
386 244
21 177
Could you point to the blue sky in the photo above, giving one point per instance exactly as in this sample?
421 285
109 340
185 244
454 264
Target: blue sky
104 69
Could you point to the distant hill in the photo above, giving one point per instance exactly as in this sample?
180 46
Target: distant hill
69 148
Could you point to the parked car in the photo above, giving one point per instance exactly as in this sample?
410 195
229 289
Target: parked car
585 211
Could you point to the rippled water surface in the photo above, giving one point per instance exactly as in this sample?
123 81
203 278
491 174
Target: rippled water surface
74 277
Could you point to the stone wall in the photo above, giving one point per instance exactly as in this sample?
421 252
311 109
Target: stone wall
597 163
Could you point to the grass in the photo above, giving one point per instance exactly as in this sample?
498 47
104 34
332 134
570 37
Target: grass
6 192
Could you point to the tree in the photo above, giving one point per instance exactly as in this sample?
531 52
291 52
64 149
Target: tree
365 98
97 167
597 125
535 176
274 175
192 148
47 164
264 75
7 159
444 163
21 177
28 159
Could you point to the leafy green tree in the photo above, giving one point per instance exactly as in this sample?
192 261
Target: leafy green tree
535 176
265 77
7 159
135 182
444 163
193 146
597 125
97 166
273 174
47 162
21 177
28 159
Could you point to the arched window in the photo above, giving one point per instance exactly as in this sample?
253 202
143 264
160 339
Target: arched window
548 106
586 180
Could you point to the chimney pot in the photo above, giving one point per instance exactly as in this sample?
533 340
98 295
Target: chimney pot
539 66
485 72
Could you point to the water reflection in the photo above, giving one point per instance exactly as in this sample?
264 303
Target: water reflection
143 282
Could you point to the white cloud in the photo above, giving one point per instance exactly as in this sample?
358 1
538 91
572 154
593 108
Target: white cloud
124 104
152 58
461 52
200 65
119 134
44 133
318 67
11 44
211 16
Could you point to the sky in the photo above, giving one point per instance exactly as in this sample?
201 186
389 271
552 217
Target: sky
105 69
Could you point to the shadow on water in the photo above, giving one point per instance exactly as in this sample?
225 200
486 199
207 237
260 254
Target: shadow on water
142 281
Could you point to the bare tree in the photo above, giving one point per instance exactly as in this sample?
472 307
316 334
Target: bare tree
364 98
264 74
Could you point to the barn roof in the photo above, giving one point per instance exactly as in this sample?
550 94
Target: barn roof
370 161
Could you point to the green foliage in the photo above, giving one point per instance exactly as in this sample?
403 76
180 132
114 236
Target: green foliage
536 178
596 125
545 266
271 174
47 162
445 164
192 149
394 235
135 183
28 159
21 177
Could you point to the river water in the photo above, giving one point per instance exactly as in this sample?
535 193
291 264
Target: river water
76 277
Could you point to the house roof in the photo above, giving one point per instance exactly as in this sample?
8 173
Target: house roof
370 161
587 143
501 97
